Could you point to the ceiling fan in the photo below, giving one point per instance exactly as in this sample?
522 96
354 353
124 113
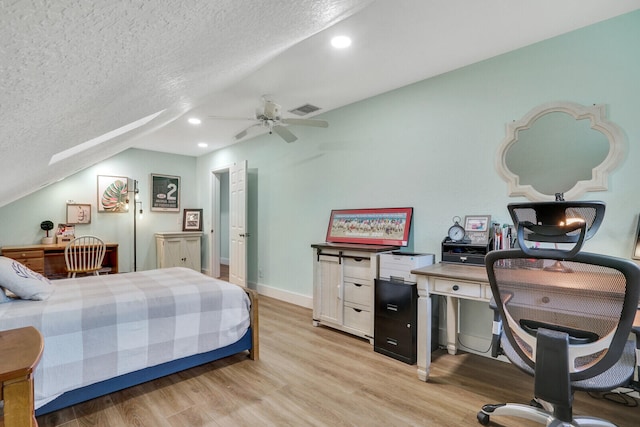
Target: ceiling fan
269 117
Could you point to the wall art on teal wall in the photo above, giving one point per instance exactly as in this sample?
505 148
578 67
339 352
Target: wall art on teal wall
165 193
112 194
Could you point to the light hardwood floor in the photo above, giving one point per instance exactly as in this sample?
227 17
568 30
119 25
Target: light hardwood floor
316 376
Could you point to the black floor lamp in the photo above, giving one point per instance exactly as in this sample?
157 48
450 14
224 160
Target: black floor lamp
136 191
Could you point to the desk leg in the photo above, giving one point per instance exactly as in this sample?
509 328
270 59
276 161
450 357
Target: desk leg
452 324
424 335
18 402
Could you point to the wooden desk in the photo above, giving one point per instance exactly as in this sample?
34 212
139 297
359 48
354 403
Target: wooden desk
48 260
20 351
452 281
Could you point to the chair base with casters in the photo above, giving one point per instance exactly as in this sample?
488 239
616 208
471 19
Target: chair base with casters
560 414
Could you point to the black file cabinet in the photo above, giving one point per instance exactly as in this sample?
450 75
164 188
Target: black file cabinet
395 319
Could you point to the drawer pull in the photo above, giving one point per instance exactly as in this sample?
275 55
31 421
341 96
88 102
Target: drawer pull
392 307
357 259
456 287
358 284
392 341
357 310
409 325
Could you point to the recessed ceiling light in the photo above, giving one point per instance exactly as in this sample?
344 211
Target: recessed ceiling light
203 144
194 120
341 42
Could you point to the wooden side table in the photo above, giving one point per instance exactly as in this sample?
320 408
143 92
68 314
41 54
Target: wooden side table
20 351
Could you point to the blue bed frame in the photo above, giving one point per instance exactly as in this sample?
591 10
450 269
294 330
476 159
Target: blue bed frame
138 377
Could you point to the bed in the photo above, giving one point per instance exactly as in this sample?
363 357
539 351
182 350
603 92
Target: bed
105 333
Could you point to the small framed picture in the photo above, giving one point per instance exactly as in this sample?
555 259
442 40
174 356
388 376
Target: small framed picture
192 220
478 228
78 213
636 247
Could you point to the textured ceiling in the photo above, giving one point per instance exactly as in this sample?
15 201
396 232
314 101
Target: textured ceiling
74 70
71 71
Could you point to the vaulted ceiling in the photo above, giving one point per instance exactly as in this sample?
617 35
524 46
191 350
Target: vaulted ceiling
81 81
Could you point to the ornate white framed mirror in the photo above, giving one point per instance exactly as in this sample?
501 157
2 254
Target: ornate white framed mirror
560 147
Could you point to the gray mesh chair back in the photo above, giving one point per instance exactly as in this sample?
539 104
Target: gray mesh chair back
565 321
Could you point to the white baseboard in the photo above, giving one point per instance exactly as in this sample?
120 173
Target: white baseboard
282 295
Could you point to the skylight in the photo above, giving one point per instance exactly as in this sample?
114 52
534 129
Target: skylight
102 138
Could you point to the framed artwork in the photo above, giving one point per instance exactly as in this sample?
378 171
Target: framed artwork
636 247
386 226
165 193
112 194
192 220
78 213
478 228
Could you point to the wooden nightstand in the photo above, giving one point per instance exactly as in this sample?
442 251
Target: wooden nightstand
20 351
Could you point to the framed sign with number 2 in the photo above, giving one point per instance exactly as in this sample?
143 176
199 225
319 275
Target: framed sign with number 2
165 193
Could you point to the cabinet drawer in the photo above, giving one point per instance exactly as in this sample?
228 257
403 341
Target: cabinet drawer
357 293
18 255
358 268
395 301
452 287
35 264
395 339
357 318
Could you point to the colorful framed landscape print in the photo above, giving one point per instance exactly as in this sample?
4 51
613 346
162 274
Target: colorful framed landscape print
380 226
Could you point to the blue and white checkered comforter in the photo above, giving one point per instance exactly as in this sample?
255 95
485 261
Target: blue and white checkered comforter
99 327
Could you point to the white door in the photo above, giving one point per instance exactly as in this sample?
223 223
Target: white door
238 223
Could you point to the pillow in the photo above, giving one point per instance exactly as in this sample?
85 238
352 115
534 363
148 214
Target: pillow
22 281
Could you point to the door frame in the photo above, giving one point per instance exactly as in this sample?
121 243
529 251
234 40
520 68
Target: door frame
214 233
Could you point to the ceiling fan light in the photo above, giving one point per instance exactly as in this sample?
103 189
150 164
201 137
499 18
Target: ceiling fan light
341 42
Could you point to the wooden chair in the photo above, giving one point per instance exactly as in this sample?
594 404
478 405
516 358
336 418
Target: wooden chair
84 254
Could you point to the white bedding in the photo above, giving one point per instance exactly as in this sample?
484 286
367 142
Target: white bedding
99 327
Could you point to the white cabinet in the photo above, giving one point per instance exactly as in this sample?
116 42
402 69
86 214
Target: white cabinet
178 249
343 286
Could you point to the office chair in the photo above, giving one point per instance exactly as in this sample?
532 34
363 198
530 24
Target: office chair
562 315
84 254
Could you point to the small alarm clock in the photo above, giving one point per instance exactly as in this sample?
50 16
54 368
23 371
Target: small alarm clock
456 231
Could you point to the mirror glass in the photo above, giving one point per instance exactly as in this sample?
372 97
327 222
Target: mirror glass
556 152
559 148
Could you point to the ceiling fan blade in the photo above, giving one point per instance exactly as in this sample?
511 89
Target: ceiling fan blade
306 122
284 133
231 118
244 132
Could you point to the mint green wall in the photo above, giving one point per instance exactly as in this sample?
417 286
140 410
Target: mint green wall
431 145
21 219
